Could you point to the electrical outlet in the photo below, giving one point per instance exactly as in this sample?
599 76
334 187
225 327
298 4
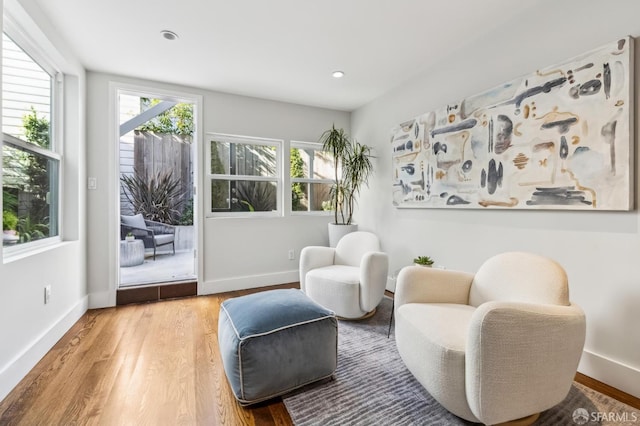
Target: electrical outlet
47 294
292 255
92 183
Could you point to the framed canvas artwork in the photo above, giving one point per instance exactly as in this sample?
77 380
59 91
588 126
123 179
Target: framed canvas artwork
559 138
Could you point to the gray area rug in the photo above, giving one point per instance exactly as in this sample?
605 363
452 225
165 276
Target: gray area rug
373 387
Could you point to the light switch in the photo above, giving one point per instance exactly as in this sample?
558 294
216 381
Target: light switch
93 183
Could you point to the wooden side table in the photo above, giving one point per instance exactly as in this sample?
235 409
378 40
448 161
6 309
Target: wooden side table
131 253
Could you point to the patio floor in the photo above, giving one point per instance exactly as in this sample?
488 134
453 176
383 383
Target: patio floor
166 268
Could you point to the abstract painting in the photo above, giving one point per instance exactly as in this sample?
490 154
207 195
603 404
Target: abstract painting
559 138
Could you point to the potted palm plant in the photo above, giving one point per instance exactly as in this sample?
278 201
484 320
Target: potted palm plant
352 167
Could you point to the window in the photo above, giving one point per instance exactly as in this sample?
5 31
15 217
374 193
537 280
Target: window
311 177
30 159
245 175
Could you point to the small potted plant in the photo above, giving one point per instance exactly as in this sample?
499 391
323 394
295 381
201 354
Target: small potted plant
129 237
9 225
423 261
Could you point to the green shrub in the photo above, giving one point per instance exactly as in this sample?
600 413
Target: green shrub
297 171
158 198
9 220
187 214
31 230
254 197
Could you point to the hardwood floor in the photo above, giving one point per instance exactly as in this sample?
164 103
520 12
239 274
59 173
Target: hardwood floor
149 364
608 390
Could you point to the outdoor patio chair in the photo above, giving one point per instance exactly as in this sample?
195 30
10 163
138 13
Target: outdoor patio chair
153 234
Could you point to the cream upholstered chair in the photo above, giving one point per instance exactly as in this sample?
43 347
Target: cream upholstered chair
349 279
497 346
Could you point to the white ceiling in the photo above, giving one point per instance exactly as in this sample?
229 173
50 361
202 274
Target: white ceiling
276 49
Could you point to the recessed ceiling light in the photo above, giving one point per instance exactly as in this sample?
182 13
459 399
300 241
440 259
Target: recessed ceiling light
337 74
169 35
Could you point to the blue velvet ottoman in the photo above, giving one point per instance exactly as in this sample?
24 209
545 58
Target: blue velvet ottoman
275 341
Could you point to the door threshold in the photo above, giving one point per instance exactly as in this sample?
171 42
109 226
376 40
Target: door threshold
156 292
157 283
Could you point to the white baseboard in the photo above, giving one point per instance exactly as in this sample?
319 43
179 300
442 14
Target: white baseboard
103 299
391 285
611 372
18 368
248 281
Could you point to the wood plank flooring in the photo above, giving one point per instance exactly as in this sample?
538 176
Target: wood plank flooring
149 364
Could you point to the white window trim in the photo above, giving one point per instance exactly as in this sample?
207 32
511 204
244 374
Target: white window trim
56 119
277 178
26 146
29 44
317 147
11 253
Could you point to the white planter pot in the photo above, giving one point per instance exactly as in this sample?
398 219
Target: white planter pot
9 237
337 231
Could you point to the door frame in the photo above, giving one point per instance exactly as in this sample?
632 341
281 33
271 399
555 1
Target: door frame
115 88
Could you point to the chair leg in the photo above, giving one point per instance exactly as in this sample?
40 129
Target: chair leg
154 253
173 244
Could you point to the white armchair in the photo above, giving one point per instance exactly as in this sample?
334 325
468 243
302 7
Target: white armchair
500 345
349 279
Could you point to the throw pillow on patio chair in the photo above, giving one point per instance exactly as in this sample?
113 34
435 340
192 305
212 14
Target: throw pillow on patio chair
153 234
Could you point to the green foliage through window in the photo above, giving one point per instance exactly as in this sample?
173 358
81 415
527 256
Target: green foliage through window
244 176
177 120
187 214
36 129
26 189
297 171
219 188
9 220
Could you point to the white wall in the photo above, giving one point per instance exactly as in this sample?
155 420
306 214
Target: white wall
28 327
243 253
600 251
236 252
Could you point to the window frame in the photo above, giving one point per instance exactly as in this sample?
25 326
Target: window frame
248 140
55 150
316 146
